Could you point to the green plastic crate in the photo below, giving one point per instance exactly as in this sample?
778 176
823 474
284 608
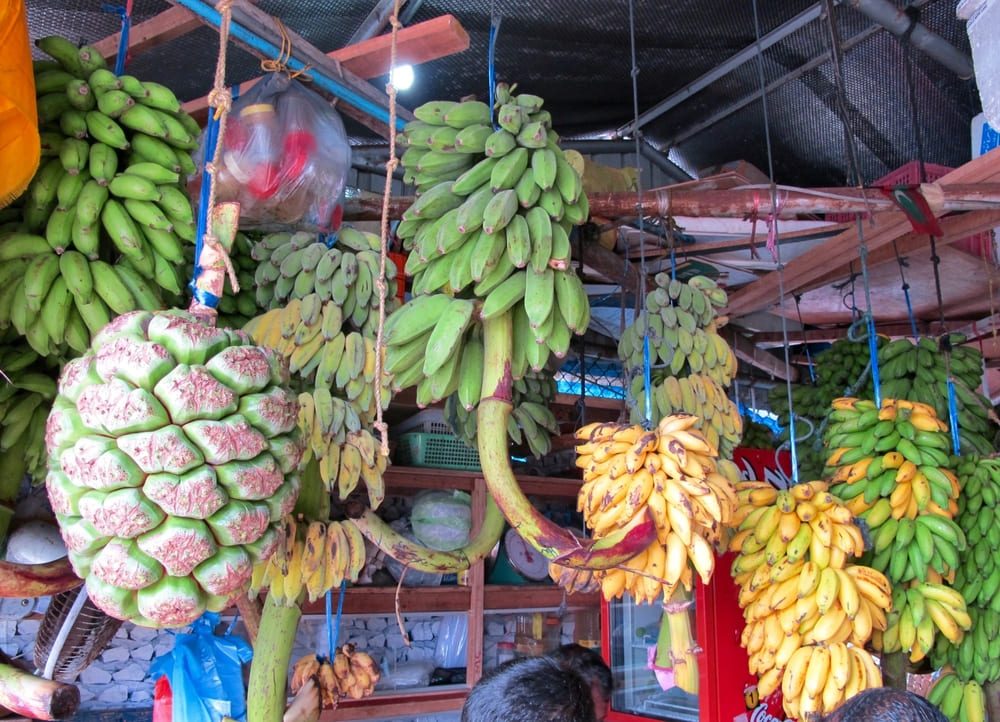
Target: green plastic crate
438 451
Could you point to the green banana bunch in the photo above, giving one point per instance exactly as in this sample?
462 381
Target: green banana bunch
692 364
757 435
979 571
490 227
294 265
25 402
975 657
959 701
105 226
920 372
532 423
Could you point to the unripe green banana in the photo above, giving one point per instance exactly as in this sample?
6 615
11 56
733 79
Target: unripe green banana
55 310
103 163
539 296
103 80
518 239
86 239
500 143
503 297
73 123
75 269
175 204
114 102
508 170
123 231
545 165
106 130
144 120
90 201
432 112
499 211
65 53
90 59
469 215
510 116
155 172
155 150
94 314
533 135
552 202
472 138
527 190
148 215
38 277
126 185
475 177
160 97
43 187
540 231
111 289
434 202
468 113
59 228
51 105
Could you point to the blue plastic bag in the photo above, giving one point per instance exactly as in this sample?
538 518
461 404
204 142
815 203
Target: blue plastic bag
205 673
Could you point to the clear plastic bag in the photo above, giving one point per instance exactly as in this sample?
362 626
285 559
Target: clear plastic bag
285 158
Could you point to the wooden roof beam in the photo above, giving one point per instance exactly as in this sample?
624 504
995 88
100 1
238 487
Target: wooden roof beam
416 44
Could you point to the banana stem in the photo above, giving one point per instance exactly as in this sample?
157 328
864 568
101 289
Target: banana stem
894 669
272 653
424 559
551 540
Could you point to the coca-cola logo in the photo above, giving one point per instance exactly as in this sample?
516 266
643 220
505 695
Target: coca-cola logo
762 713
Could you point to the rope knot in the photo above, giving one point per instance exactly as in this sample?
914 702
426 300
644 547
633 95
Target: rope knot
221 99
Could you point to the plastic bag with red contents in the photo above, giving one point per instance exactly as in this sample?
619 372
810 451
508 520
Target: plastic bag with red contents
285 158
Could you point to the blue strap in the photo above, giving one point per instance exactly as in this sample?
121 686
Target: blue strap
211 139
873 354
333 624
491 65
956 443
123 12
647 374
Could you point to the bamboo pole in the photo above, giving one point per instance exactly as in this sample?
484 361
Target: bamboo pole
740 202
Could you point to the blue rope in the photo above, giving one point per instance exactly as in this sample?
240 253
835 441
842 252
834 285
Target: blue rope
956 443
332 624
647 373
126 17
873 354
491 64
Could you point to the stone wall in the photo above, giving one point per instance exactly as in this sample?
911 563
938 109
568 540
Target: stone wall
119 678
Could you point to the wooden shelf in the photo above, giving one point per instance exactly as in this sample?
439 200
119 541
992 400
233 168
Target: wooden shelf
496 597
398 704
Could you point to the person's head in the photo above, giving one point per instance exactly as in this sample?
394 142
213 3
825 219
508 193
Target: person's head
534 689
591 666
886 704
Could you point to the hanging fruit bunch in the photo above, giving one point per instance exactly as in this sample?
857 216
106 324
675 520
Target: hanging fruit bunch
921 371
669 473
344 270
351 673
172 456
490 226
691 363
26 396
890 464
488 241
972 661
757 435
104 223
809 611
531 420
843 369
326 329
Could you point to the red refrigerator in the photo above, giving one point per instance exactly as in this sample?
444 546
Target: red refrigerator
725 690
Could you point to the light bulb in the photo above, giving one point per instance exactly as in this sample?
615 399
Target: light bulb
401 77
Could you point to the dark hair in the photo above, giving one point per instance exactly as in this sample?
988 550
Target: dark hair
589 664
534 689
886 704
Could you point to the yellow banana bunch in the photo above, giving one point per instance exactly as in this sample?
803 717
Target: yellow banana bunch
819 677
354 673
669 472
775 524
898 451
312 558
574 580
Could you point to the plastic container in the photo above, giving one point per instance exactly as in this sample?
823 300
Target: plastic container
587 628
505 652
438 451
